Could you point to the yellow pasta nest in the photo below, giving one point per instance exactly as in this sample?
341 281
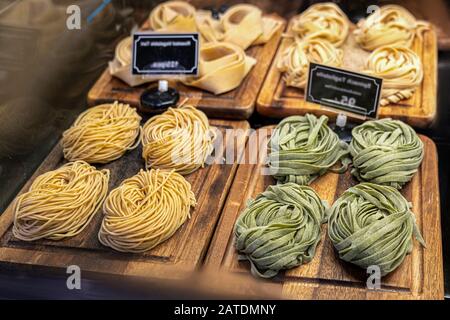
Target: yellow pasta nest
60 203
401 70
102 134
179 139
324 21
391 25
294 61
145 210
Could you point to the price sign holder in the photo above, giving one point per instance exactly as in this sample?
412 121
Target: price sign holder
345 91
165 54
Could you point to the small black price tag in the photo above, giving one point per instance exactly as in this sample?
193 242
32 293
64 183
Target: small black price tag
344 90
165 54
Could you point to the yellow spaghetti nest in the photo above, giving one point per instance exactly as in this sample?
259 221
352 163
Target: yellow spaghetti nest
391 25
179 139
324 21
145 210
60 203
294 61
102 134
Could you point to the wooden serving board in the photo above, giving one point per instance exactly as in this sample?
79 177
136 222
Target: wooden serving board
172 259
278 101
420 276
236 104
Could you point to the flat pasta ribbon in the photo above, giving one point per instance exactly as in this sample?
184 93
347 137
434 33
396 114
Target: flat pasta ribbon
60 203
120 67
124 51
385 152
180 139
173 16
102 134
372 225
294 60
223 63
304 148
401 70
242 25
222 67
280 229
145 210
391 25
323 21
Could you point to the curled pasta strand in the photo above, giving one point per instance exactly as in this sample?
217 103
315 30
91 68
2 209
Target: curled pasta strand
386 152
60 203
280 229
145 210
401 70
102 134
120 66
242 25
173 16
304 148
373 225
322 21
391 25
294 61
179 139
223 66
123 51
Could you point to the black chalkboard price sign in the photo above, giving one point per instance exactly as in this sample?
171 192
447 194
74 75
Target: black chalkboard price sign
165 54
344 90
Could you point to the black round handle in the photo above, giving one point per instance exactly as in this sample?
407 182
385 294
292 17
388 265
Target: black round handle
155 101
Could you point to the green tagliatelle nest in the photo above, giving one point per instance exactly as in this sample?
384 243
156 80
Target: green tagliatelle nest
304 148
386 152
372 225
280 229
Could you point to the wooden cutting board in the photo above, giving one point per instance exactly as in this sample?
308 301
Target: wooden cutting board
236 104
179 255
420 276
278 101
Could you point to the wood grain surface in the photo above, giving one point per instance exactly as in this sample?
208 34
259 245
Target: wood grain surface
420 276
278 101
236 104
174 258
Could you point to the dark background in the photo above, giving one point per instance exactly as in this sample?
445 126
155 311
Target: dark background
47 70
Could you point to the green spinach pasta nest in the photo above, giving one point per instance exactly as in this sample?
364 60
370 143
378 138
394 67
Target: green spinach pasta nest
280 229
373 225
304 148
386 152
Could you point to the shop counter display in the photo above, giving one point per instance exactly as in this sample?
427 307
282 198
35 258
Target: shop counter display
282 96
419 276
220 93
179 255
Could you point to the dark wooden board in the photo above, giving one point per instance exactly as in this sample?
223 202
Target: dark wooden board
180 254
278 101
236 104
420 276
